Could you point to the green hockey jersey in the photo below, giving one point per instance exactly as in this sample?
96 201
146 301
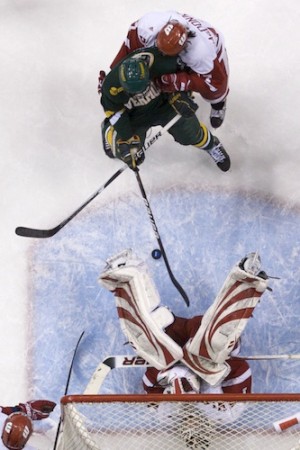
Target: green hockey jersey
125 110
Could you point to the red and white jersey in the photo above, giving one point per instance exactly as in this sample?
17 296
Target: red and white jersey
201 50
239 379
204 53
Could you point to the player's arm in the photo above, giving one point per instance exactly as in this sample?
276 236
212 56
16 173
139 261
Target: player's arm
132 42
212 86
35 409
113 101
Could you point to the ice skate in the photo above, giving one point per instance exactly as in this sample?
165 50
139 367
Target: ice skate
217 114
219 155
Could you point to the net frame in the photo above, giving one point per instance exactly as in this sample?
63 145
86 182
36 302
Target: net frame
70 401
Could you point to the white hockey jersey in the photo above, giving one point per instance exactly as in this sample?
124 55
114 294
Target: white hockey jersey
205 45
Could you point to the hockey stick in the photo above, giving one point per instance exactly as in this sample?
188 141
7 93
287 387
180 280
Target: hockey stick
67 387
37 233
129 362
109 363
265 357
161 247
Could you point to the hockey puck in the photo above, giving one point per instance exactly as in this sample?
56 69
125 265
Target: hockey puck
156 253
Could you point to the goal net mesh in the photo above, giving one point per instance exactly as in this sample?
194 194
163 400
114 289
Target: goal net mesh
162 422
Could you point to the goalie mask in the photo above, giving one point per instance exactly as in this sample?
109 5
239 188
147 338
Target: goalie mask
17 429
134 75
172 38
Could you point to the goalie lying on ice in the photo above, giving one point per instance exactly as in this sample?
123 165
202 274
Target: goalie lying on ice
186 354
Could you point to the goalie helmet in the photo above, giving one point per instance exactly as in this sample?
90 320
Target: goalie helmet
17 429
134 75
172 38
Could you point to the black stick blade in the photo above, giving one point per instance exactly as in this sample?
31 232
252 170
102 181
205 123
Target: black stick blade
34 233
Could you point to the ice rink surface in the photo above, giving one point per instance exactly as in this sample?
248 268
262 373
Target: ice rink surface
52 161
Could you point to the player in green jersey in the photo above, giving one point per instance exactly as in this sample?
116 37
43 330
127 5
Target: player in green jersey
133 103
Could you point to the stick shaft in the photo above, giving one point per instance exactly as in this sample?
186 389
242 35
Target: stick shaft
131 362
159 241
265 357
46 233
67 386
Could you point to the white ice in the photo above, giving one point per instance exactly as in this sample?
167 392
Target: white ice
51 161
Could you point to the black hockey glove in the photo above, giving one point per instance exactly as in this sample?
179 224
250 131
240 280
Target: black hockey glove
131 151
183 104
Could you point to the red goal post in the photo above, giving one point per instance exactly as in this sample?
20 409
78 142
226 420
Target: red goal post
176 422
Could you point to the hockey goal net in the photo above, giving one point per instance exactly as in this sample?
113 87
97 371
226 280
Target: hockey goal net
162 422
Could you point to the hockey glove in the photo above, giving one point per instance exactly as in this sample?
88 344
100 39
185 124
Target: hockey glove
179 380
101 79
183 104
37 409
172 82
131 151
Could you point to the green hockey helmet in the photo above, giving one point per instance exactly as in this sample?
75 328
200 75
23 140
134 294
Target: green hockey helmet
134 75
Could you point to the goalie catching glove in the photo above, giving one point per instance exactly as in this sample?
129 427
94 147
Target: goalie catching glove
183 104
179 380
131 151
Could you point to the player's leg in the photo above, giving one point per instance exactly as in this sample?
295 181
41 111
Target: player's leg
189 131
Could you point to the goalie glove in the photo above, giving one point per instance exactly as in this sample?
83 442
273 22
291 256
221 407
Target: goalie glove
183 104
173 82
131 151
179 380
37 409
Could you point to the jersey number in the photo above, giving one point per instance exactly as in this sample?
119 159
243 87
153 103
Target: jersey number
168 30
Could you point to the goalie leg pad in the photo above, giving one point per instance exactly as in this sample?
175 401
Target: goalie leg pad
224 322
141 317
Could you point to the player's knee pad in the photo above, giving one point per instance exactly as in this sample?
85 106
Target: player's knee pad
108 138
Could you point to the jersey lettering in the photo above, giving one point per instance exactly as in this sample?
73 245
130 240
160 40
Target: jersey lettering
194 22
210 32
143 98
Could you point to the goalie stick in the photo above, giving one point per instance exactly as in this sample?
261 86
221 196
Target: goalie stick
109 363
159 241
39 233
132 362
67 387
266 357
